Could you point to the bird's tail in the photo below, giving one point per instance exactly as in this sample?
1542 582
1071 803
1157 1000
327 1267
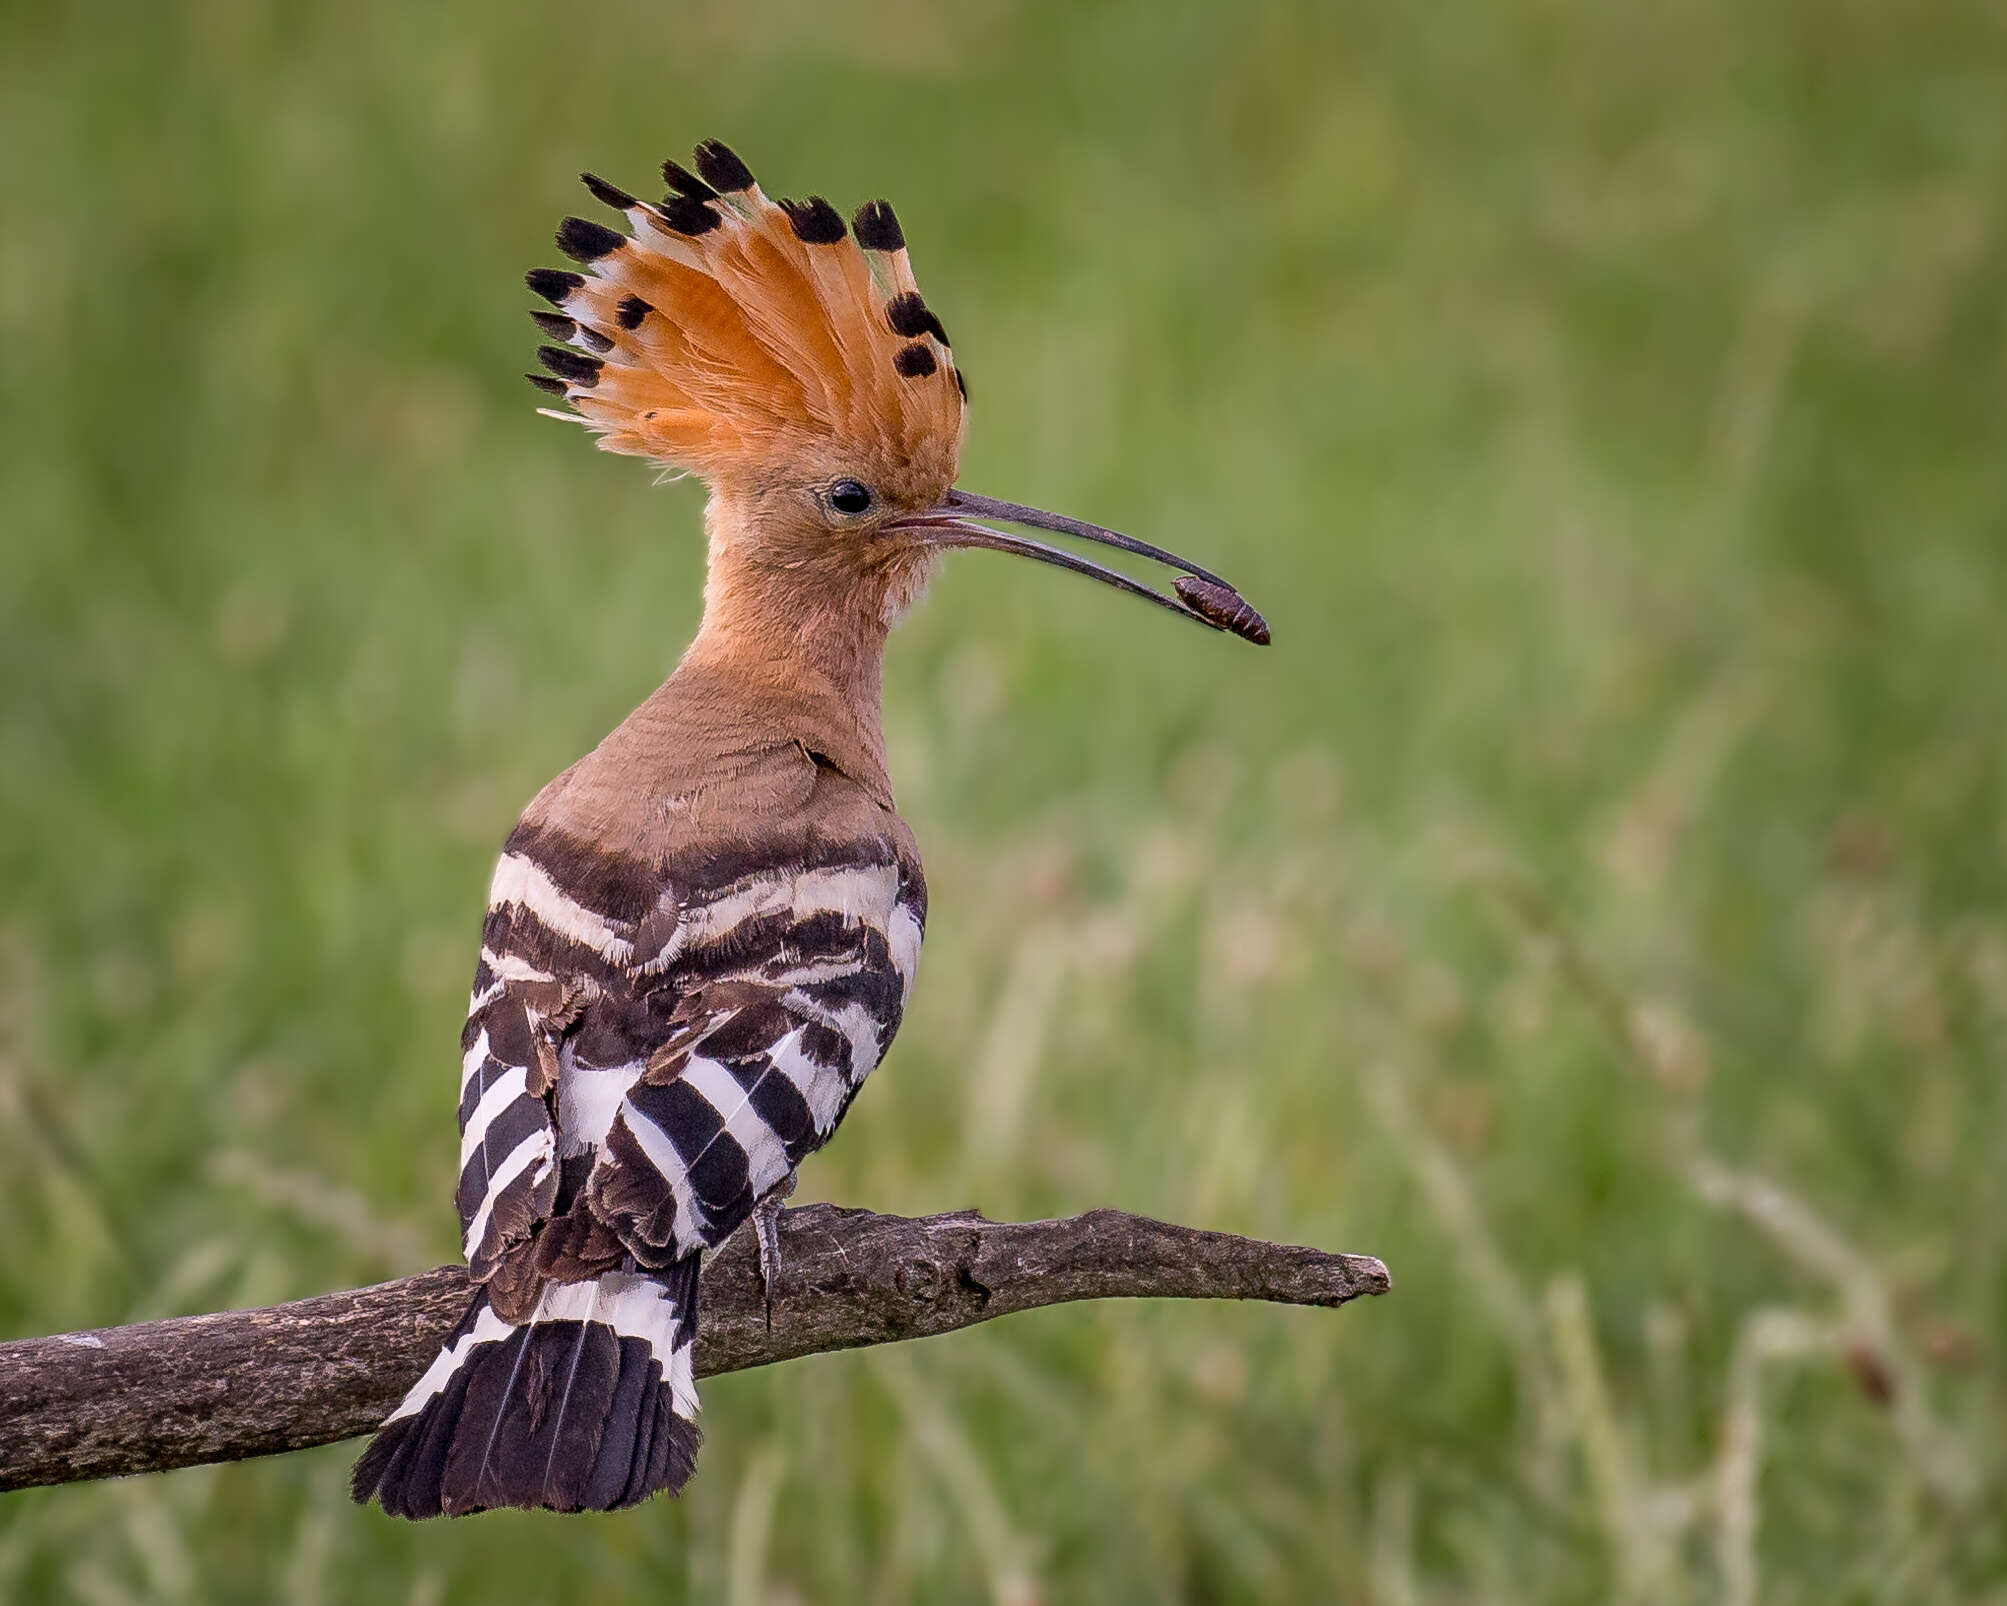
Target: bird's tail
589 1405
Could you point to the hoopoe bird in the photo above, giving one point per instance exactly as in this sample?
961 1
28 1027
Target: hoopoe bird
701 937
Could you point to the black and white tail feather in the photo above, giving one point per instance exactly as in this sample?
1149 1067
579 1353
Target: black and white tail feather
589 1406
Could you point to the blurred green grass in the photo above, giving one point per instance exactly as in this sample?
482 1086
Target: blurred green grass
1605 403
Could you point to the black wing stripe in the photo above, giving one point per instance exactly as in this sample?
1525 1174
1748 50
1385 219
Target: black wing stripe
778 1102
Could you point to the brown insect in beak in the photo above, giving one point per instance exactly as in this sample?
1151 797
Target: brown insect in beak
1223 606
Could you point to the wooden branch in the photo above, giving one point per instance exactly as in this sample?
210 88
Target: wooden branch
176 1393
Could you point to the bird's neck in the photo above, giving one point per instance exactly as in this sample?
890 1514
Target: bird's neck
785 649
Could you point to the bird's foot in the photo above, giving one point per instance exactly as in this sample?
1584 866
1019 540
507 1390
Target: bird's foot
766 1232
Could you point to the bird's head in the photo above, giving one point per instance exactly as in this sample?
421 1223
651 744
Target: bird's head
792 364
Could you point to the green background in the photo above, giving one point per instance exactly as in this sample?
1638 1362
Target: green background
1595 903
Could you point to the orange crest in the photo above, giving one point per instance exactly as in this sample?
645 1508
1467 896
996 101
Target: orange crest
737 336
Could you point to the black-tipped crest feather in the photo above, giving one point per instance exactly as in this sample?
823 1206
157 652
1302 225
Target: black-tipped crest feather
585 241
554 284
877 228
608 194
721 167
688 215
815 221
910 316
684 182
572 365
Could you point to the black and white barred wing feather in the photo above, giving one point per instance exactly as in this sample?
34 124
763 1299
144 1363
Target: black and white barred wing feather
795 984
638 1075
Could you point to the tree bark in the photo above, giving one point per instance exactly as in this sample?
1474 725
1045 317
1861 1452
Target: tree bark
177 1393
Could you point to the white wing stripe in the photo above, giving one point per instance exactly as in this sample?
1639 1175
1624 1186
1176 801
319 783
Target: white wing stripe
821 1086
903 938
475 1057
589 1097
506 1089
523 881
766 1155
857 893
536 1146
661 1153
854 1021
510 967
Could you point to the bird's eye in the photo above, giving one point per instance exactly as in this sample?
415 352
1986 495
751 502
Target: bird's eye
847 496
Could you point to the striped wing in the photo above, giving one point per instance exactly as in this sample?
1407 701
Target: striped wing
643 1062
508 1138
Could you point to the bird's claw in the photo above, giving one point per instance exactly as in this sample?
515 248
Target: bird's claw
766 1233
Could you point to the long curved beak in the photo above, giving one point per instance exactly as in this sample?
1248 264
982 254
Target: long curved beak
1198 593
